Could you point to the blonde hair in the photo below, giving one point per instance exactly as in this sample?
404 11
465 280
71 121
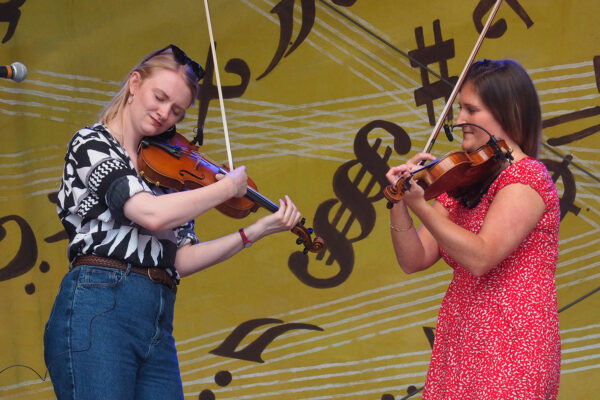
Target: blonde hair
157 60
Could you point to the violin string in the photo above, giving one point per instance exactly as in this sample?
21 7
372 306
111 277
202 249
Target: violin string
200 158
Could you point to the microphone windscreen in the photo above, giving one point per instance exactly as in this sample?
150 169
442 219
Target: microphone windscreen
448 132
19 71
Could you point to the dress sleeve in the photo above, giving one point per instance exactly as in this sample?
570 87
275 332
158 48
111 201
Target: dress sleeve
529 172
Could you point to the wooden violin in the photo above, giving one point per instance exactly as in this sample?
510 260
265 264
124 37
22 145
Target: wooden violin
170 160
455 173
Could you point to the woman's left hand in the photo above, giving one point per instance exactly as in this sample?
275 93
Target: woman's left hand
415 193
283 220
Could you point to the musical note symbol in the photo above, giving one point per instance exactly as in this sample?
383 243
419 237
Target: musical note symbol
439 52
576 115
222 378
27 253
209 91
285 12
561 170
10 12
253 351
498 28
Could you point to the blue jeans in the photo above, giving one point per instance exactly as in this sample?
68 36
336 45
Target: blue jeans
110 336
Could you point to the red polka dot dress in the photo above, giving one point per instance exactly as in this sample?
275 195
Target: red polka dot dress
497 335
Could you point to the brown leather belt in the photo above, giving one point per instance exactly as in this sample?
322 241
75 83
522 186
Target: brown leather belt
158 275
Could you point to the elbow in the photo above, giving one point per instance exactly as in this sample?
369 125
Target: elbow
146 219
410 268
152 223
479 269
413 261
143 210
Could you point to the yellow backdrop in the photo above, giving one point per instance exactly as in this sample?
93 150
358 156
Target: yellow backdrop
321 97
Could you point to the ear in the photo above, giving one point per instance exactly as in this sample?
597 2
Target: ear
135 80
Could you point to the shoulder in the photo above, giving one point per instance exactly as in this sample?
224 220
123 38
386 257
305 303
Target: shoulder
527 170
95 133
92 143
530 172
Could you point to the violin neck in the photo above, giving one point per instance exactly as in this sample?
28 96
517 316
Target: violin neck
256 197
261 200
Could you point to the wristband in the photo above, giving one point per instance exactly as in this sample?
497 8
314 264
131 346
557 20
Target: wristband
247 242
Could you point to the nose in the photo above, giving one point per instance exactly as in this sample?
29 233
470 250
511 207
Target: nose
460 118
162 112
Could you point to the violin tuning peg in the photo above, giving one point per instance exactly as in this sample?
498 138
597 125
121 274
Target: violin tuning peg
310 230
299 241
302 221
305 251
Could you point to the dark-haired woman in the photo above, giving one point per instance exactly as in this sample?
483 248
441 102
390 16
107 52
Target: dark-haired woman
497 334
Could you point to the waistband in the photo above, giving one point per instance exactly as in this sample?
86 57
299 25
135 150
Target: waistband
155 274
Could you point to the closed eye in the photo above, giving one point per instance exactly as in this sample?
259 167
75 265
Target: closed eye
177 112
467 108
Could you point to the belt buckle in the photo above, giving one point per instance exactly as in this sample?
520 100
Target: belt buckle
151 277
169 282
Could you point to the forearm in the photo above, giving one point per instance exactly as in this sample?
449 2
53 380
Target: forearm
175 209
194 258
411 253
465 247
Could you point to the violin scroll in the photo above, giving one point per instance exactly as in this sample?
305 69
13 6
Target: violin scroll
304 237
394 193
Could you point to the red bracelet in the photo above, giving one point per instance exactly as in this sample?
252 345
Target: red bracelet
247 242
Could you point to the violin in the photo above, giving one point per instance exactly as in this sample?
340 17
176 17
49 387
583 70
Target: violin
456 173
171 161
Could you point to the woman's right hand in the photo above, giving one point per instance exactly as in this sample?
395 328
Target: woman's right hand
239 177
404 170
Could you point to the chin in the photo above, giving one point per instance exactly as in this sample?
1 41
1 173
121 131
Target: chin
153 130
471 145
467 146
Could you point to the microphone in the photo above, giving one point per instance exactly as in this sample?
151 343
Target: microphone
15 71
448 131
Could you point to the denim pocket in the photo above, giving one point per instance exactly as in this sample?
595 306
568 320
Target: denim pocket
94 304
100 276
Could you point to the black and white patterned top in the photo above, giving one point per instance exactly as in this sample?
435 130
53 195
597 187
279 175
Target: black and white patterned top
98 179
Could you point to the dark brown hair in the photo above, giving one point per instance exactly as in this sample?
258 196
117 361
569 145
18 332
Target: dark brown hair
507 90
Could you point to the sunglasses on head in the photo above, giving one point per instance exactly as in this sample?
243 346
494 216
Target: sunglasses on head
181 58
